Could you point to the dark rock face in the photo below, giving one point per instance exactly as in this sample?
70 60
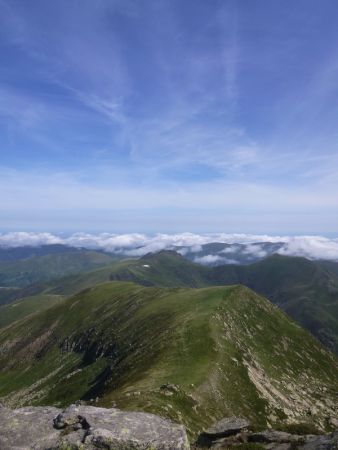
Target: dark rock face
87 428
279 440
233 431
224 428
227 427
326 442
269 436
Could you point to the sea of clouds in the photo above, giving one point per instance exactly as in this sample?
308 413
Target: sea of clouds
136 244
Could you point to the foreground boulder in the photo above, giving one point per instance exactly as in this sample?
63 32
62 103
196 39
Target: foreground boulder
87 427
26 428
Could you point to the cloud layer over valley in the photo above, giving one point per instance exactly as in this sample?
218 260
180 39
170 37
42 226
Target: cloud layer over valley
136 244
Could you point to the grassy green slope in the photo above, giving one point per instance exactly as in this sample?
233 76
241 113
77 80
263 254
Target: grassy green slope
306 290
30 305
164 269
226 349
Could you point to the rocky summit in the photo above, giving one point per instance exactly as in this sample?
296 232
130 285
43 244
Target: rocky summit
87 427
82 427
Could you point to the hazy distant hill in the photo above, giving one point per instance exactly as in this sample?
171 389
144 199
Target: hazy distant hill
194 355
36 269
24 252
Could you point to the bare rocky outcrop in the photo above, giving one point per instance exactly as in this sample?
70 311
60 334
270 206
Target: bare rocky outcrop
82 427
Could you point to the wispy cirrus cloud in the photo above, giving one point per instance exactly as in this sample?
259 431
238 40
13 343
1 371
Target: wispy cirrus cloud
211 110
170 127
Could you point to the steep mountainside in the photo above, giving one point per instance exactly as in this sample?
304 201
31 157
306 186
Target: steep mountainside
306 290
302 288
193 355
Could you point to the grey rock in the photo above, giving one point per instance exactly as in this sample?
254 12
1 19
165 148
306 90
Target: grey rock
71 440
274 436
115 429
274 446
169 389
225 442
324 442
333 422
226 427
87 428
71 417
28 428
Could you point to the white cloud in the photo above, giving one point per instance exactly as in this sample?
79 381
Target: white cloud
22 238
255 250
313 247
214 260
137 244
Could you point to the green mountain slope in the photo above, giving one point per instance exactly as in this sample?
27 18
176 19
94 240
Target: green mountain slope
306 290
30 305
331 266
166 269
194 355
44 268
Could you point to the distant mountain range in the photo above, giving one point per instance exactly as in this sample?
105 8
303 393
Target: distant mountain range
306 290
21 267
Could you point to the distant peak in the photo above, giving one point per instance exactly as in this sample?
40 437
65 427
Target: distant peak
162 253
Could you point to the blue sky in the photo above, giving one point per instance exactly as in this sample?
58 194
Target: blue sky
169 116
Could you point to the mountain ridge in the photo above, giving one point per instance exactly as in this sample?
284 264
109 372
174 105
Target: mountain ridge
192 355
306 290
